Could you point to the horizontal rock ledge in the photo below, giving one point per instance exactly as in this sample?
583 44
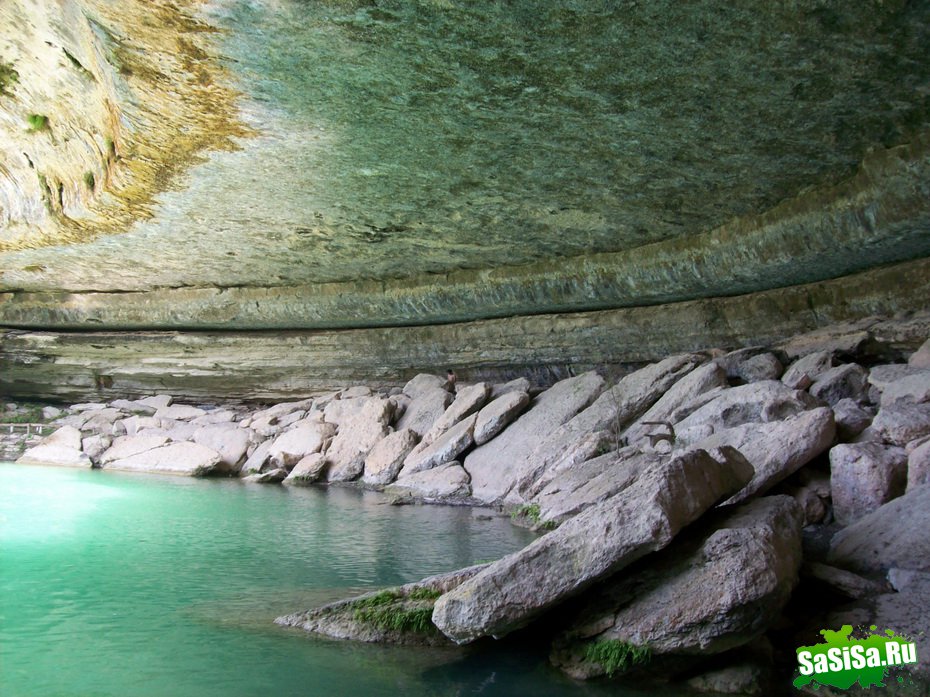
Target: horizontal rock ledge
82 366
876 217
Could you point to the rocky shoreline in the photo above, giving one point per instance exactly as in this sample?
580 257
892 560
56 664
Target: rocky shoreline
704 515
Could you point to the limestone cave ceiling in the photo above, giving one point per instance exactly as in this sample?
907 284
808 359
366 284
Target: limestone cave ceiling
283 144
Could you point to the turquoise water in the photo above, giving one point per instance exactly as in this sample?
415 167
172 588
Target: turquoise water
142 585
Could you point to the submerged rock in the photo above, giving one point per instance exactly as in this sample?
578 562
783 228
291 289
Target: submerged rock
719 586
603 539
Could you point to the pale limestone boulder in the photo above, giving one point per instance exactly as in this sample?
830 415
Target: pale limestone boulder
258 459
61 449
765 401
921 357
88 406
720 585
591 482
185 458
358 433
217 416
851 419
863 477
127 446
229 440
178 431
731 361
807 369
881 376
893 536
272 476
422 384
179 412
271 425
283 409
94 446
446 448
764 366
310 469
700 381
776 449
901 423
914 388
302 439
517 385
101 420
134 424
449 481
918 466
593 545
498 465
384 461
498 414
848 381
158 401
467 401
133 407
425 408
610 413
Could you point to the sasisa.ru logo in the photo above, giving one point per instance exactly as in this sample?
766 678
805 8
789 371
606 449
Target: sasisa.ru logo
842 661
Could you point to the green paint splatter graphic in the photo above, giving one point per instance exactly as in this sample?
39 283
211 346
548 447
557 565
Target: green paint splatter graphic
841 660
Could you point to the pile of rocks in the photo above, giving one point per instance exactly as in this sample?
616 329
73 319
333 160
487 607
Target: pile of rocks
680 498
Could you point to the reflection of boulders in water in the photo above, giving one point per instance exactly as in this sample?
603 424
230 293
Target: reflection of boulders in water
628 478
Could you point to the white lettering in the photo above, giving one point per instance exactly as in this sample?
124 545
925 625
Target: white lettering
820 663
909 653
858 656
873 657
804 659
893 653
836 659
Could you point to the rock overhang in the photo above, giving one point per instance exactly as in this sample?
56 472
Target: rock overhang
415 163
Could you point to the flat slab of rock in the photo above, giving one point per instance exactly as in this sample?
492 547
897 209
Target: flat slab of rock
764 401
777 449
358 433
893 536
500 413
600 541
185 458
60 449
179 412
497 466
446 448
385 459
302 439
425 408
610 414
591 482
127 446
717 587
449 481
467 401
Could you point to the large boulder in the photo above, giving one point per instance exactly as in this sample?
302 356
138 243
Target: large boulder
901 422
257 461
717 587
358 433
701 380
133 424
610 414
591 482
304 438
921 357
467 401
62 449
776 449
445 448
449 481
914 388
764 401
127 446
424 409
598 542
102 421
863 477
310 469
918 465
229 440
497 465
500 413
385 459
189 459
805 370
848 381
894 536
179 412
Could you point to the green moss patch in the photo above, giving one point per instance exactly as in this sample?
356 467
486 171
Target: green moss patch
617 657
390 610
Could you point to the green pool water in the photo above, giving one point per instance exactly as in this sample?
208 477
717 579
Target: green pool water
142 585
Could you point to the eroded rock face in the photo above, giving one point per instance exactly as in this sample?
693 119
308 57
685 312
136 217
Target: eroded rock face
603 539
718 587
